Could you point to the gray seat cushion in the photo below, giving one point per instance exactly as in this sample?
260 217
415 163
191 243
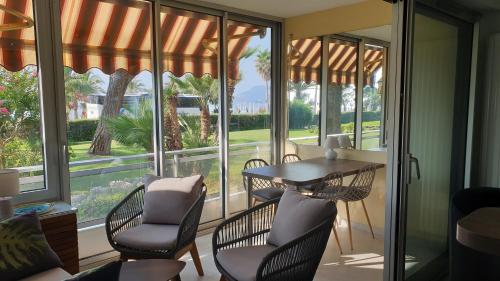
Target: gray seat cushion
149 237
293 205
242 263
167 200
269 193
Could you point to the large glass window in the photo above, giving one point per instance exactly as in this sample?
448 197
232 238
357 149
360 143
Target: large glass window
304 90
21 138
109 100
341 90
191 92
352 102
249 103
374 74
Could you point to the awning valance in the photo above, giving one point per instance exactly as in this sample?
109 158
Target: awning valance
305 61
112 35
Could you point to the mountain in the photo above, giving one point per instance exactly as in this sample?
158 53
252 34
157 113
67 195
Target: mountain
256 94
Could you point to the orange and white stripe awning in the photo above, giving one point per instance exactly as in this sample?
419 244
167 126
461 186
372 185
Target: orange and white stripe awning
305 61
112 35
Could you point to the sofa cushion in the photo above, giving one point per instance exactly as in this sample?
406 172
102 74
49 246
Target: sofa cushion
293 205
49 275
269 193
24 251
149 237
242 263
108 272
167 200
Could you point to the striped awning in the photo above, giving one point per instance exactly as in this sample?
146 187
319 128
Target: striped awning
112 35
305 61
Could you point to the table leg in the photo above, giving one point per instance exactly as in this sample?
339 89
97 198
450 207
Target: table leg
176 278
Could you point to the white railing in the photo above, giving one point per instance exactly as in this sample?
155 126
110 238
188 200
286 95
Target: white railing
173 158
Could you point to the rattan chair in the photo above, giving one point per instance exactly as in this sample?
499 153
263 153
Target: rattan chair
359 188
297 260
290 158
128 214
327 189
262 190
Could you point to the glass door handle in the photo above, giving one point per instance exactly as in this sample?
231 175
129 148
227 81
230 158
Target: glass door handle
414 160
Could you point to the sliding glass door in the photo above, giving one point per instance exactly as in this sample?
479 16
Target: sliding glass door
248 97
433 139
190 100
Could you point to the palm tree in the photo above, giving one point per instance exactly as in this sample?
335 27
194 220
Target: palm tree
299 88
135 87
170 119
206 89
78 87
231 83
263 67
136 130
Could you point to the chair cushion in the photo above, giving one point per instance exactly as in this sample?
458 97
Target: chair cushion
49 275
149 237
293 205
108 272
167 200
268 193
24 250
242 263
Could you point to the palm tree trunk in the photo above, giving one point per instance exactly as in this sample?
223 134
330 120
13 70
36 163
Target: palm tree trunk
267 97
231 86
174 132
334 112
118 82
205 123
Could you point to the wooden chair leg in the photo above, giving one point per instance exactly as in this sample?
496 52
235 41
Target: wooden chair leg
177 278
368 218
349 224
337 238
222 278
196 259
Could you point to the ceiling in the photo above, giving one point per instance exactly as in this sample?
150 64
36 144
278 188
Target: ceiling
283 8
481 5
381 32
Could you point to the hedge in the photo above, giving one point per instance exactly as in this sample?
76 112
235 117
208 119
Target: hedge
83 130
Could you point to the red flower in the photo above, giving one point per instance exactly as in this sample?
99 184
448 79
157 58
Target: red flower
4 111
2 88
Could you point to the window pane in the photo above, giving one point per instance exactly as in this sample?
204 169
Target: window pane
249 97
304 90
109 100
373 97
341 92
21 142
191 96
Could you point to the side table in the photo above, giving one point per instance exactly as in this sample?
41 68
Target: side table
60 227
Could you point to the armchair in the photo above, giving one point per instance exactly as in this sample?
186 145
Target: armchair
128 234
242 251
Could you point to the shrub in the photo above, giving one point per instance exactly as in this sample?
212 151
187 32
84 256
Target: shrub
21 152
81 130
300 115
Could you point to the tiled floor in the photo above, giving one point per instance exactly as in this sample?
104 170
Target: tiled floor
365 263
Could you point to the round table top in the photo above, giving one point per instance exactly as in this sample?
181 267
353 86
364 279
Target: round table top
151 270
480 230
